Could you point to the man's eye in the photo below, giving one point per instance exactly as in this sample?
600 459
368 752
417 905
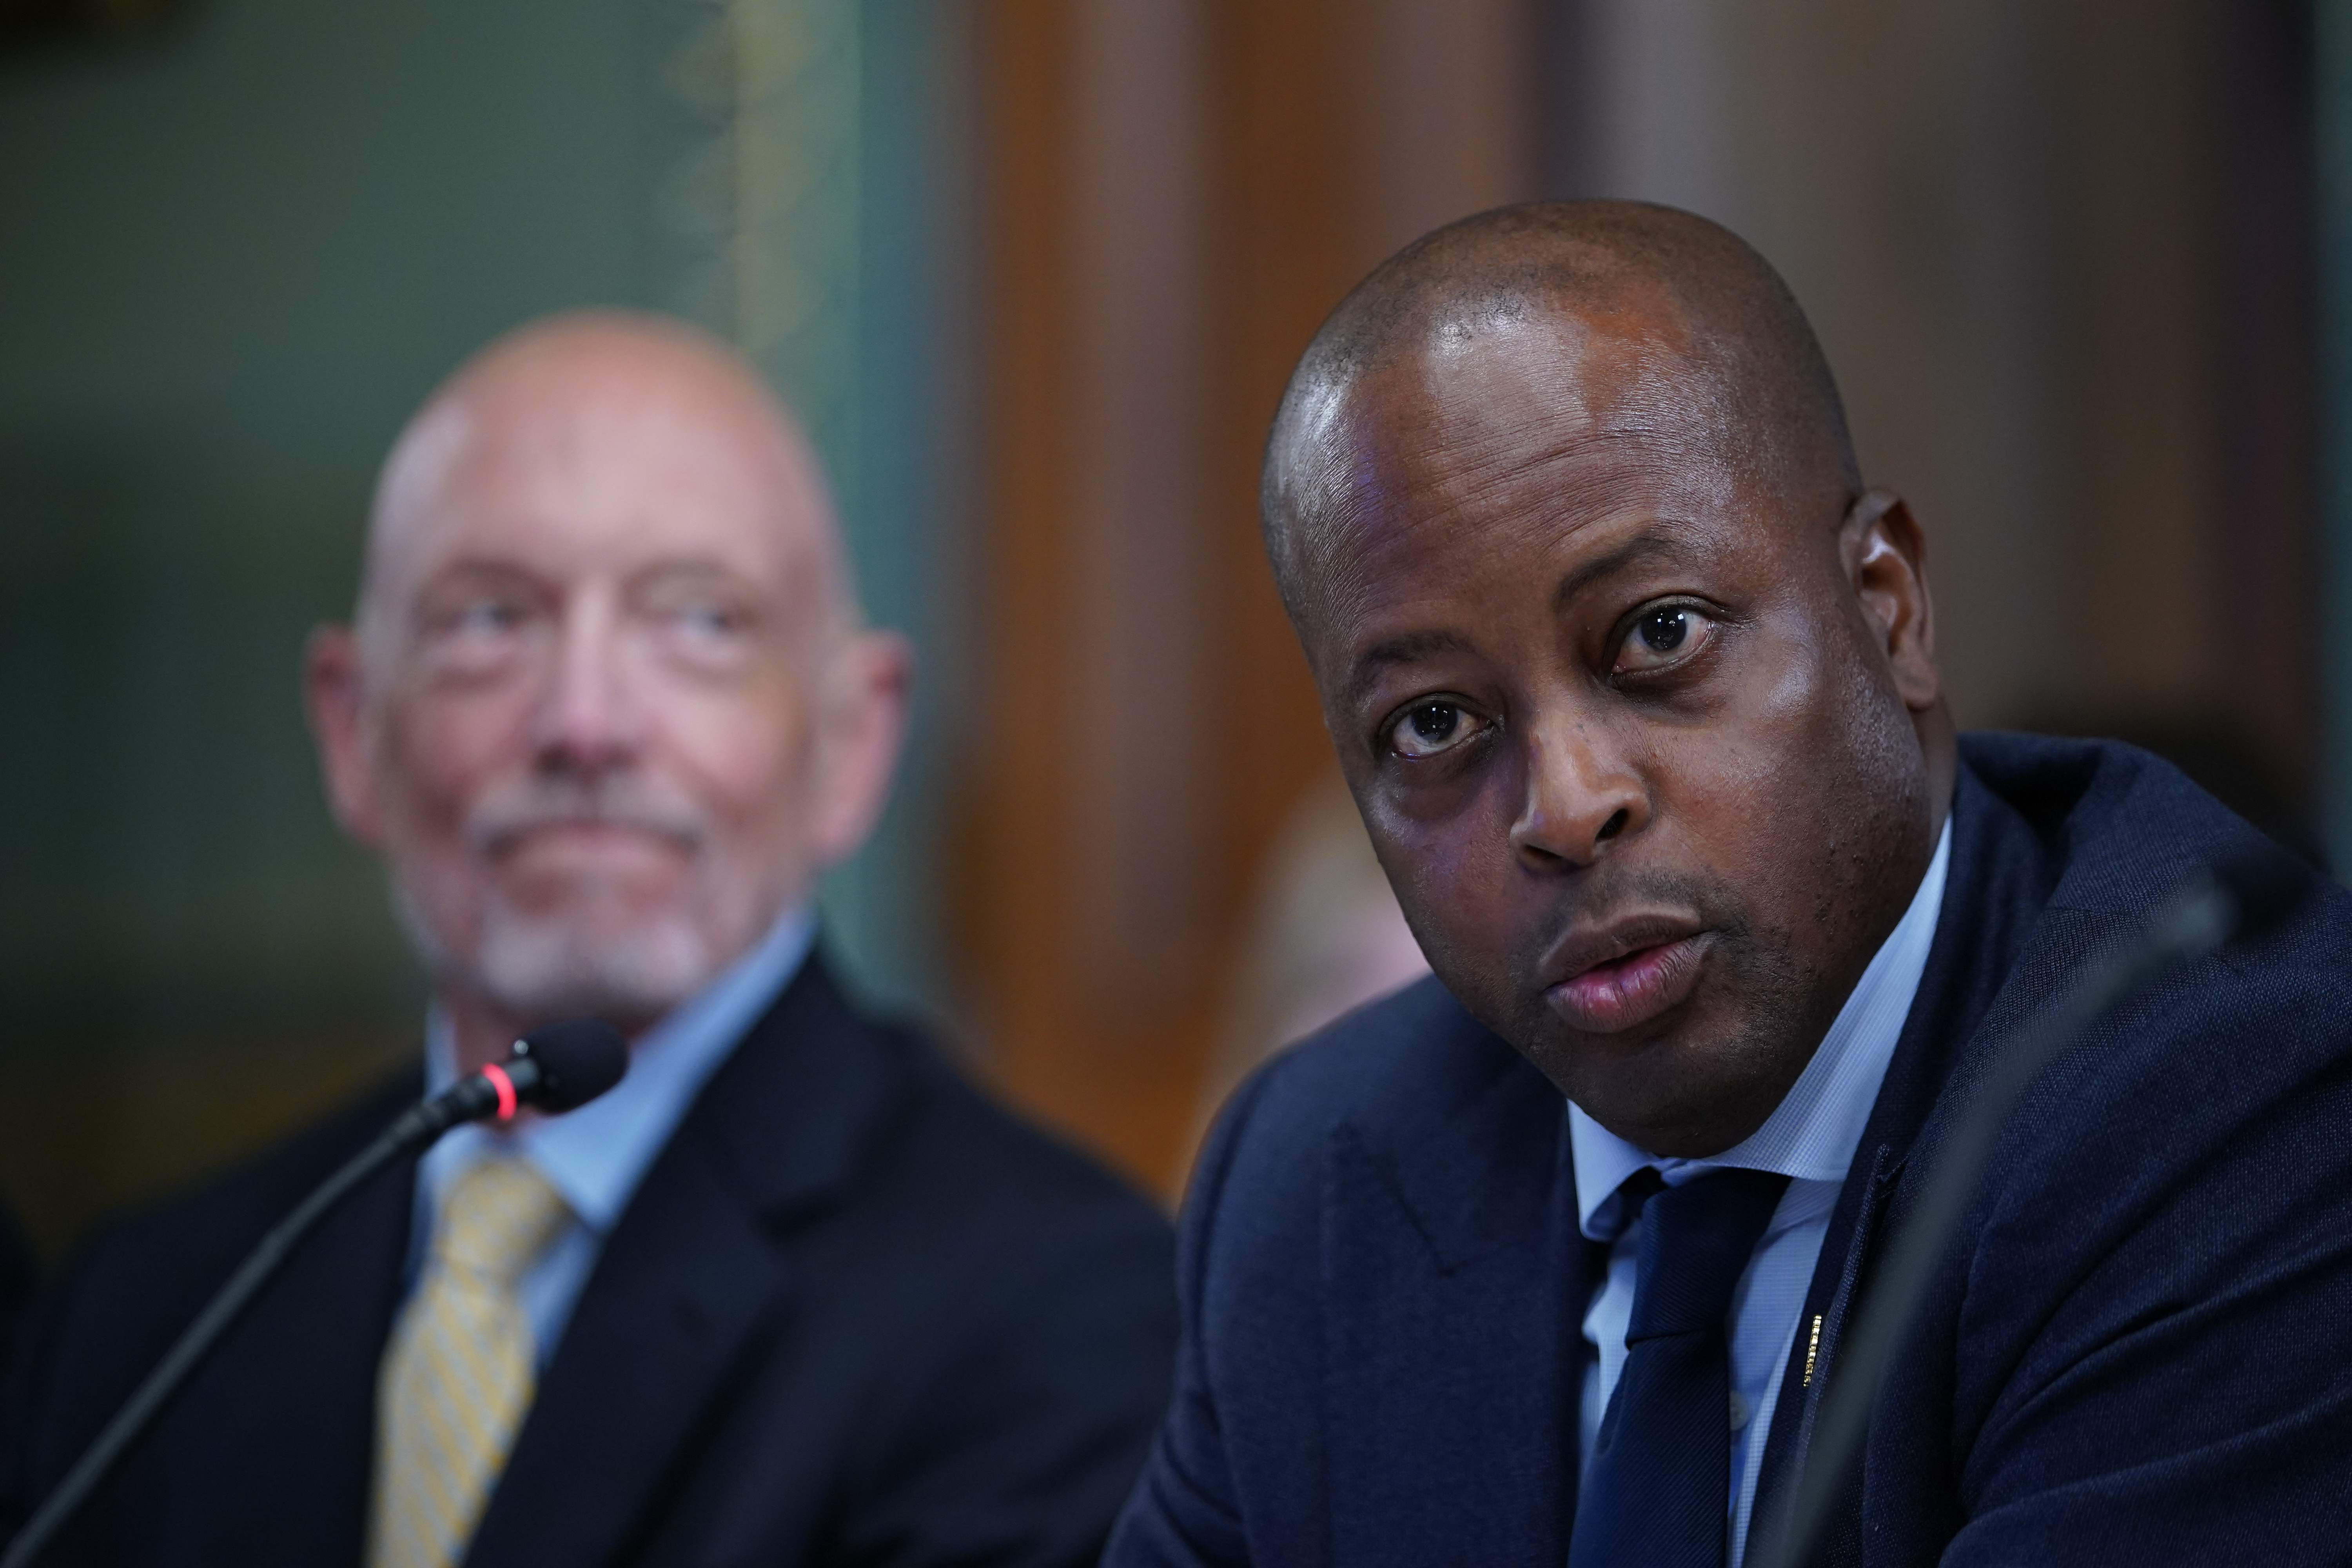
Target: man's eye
1663 637
484 617
1425 728
708 620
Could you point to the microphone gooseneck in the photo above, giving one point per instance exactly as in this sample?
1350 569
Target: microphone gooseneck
553 1069
2239 898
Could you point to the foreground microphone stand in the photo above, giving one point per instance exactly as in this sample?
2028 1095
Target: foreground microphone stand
555 1070
2244 896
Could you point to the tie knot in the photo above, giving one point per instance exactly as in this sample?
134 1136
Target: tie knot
1695 1240
496 1219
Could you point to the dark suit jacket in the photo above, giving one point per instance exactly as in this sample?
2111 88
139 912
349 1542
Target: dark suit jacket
2139 1349
17 1276
854 1314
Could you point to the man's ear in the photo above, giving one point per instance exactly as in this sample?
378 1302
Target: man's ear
333 698
863 730
1886 562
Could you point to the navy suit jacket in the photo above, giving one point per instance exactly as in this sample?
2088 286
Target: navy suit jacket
2138 1349
855 1314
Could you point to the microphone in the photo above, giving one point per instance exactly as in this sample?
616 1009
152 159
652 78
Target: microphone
2240 897
554 1069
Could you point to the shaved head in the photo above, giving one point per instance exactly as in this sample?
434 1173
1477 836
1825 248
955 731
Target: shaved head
1736 365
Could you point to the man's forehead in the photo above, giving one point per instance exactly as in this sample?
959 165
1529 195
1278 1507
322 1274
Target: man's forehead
1531 415
1613 493
1543 371
643 475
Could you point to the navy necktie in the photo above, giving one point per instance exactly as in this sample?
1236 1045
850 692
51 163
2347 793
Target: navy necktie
1657 1490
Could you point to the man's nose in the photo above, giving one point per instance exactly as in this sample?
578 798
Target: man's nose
1583 794
588 717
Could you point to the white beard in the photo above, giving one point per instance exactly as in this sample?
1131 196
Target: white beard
542 969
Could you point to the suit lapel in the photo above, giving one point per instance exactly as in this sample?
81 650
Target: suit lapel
686 1281
1997 888
1820 1330
1452 1345
694 1276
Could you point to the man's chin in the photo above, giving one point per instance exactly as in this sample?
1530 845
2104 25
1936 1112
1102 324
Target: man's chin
544 973
1686 1087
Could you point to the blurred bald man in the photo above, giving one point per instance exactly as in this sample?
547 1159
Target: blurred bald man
793 1292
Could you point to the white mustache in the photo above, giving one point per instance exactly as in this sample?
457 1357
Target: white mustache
612 802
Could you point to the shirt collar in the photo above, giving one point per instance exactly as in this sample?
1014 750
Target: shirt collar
1813 1133
595 1156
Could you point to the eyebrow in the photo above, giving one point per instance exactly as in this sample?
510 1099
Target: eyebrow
1410 647
466 573
1405 647
1636 552
692 568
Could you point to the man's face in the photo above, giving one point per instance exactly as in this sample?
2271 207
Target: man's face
587 739
1619 722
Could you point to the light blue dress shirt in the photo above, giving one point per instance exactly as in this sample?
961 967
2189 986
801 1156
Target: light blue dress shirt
1810 1138
596 1156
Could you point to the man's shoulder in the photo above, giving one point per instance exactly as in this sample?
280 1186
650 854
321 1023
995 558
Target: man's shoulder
2119 830
2165 1192
2119 826
1410 1085
198 1234
2204 1095
1408 1061
968 1150
865 1116
828 1102
133 1286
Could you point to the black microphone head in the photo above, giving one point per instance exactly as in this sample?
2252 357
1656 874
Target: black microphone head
2266 883
577 1061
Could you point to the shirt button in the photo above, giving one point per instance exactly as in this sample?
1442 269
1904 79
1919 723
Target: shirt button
1739 1411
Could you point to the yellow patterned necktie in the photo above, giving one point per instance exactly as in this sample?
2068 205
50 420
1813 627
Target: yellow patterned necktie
458 1373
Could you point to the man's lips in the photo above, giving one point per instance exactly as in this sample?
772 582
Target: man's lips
585 841
580 833
1627 975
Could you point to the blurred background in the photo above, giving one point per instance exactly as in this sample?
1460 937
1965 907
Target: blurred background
1033 270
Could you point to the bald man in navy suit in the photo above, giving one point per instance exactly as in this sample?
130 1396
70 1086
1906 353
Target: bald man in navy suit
1549 1258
